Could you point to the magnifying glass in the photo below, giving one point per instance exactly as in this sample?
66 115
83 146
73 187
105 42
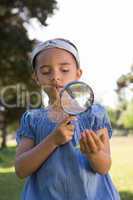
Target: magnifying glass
76 97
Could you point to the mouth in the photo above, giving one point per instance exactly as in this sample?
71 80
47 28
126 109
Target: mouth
58 87
54 86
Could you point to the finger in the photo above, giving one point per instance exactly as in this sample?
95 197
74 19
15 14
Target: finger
48 88
70 127
83 135
91 142
97 140
103 138
84 142
82 148
69 133
101 133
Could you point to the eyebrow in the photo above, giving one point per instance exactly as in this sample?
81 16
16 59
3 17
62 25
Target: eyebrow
64 63
61 64
43 66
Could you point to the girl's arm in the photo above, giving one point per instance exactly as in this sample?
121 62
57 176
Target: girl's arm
29 157
97 149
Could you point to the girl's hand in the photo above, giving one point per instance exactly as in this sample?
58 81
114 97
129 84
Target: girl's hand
64 132
97 149
91 143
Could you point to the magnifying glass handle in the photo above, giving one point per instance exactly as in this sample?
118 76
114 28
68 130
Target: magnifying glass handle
75 137
71 122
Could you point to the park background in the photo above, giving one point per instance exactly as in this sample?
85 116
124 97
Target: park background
102 31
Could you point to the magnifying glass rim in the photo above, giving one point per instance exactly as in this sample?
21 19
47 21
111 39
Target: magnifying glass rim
75 82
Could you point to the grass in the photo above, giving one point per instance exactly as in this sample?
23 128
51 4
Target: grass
122 165
10 185
121 170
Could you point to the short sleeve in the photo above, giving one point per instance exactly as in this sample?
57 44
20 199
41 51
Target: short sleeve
101 119
107 123
25 129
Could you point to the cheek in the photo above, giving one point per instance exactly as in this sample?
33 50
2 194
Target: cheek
40 75
41 79
74 75
70 78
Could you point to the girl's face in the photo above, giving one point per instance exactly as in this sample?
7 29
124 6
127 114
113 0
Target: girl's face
54 68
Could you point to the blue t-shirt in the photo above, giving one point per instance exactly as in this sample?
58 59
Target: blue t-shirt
67 173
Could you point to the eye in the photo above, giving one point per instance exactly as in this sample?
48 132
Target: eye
45 71
65 70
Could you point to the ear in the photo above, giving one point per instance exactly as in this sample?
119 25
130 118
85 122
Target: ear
79 73
35 78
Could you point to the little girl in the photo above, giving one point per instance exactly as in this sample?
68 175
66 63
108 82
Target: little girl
46 154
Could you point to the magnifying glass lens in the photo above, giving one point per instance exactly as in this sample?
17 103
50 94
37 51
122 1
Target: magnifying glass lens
76 97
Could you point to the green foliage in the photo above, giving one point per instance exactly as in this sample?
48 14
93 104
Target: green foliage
113 116
125 80
15 46
125 107
126 118
122 116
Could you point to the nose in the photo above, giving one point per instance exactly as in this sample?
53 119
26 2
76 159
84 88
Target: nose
55 76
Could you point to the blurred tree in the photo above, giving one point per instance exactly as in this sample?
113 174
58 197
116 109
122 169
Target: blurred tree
15 46
113 116
126 118
125 108
125 81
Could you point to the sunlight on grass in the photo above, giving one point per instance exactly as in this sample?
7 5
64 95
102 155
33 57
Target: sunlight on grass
7 170
11 143
122 163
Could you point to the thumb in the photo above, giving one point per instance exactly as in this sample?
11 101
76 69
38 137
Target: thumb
101 134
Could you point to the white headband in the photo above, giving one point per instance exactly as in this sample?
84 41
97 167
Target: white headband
58 43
